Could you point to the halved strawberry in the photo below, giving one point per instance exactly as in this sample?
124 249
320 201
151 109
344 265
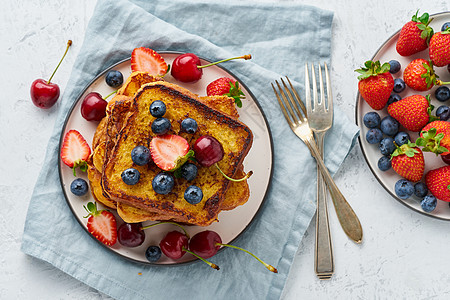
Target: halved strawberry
101 224
228 87
147 60
75 151
169 151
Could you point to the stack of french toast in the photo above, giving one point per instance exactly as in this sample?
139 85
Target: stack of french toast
128 124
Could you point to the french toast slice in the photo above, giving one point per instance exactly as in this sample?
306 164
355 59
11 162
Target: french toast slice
235 137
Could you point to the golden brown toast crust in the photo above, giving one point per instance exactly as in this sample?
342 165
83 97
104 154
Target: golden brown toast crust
235 136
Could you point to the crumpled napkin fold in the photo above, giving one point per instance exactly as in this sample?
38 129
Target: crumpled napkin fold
281 37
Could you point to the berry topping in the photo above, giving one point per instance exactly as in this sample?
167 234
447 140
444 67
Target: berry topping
384 163
401 138
442 93
161 126
101 224
389 126
420 189
140 155
395 66
79 187
148 60
387 146
208 150
169 152
188 171
157 108
130 176
174 244
228 87
374 136
428 203
415 35
114 78
163 183
131 234
443 112
193 194
75 151
93 107
153 253
399 85
372 119
189 125
393 98
404 189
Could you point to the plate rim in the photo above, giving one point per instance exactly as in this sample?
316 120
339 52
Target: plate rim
194 260
358 96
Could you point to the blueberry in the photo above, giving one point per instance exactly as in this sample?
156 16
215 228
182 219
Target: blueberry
443 112
79 187
420 189
384 163
393 98
161 126
193 194
163 183
371 119
399 85
189 171
140 155
429 203
442 93
395 66
153 253
404 189
387 146
189 125
131 176
445 26
401 138
157 108
114 78
374 136
389 126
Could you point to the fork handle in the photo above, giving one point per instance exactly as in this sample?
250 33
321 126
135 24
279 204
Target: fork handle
347 217
323 262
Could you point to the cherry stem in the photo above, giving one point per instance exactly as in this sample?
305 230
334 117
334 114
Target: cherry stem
67 48
214 266
110 95
269 267
232 179
440 82
247 56
167 222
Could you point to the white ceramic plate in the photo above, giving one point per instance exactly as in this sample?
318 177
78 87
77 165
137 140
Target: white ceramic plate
388 179
231 223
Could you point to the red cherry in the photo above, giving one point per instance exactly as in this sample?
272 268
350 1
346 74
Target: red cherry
174 244
131 234
187 67
44 94
205 243
93 107
446 159
208 150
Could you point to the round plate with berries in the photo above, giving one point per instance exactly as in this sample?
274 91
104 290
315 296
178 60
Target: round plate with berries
145 242
403 113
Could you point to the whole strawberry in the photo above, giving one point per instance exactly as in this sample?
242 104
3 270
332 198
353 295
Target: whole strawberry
438 183
228 87
375 83
440 48
435 137
413 112
407 160
415 35
419 75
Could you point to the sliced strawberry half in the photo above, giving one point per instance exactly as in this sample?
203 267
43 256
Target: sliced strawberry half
147 60
75 151
228 87
169 151
101 224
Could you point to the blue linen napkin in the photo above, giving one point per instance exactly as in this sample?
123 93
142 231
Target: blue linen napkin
281 37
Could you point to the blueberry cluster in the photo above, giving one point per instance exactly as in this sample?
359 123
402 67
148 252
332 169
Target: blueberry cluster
404 189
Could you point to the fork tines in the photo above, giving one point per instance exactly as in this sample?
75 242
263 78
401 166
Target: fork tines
290 100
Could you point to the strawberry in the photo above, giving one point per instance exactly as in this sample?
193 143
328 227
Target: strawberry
101 224
375 84
147 60
419 75
407 160
438 183
413 112
228 87
435 137
440 49
169 152
415 35
75 151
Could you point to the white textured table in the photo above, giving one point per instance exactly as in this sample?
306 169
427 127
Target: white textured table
404 254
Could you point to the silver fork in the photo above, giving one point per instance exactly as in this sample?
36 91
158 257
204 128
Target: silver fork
320 119
299 125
